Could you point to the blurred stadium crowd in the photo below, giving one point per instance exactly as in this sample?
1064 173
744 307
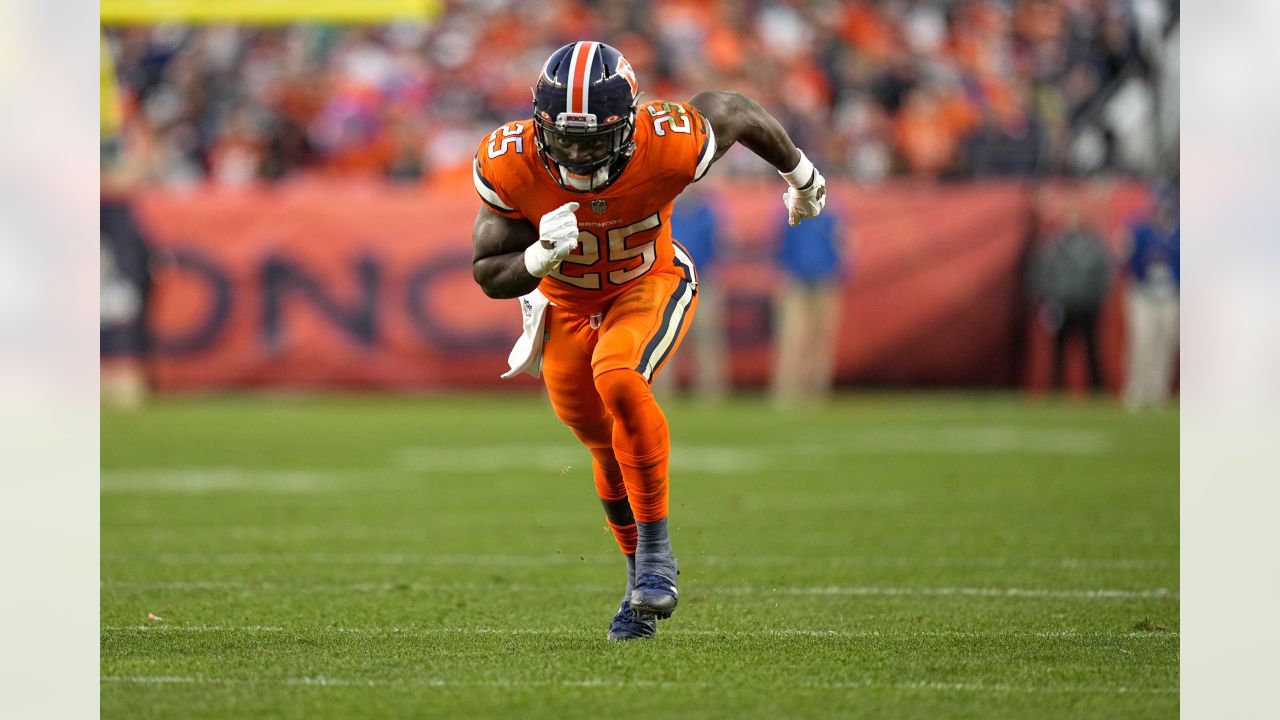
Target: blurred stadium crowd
930 88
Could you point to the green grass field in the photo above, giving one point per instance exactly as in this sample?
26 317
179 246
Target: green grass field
896 556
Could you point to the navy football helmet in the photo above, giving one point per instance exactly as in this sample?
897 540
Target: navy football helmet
584 112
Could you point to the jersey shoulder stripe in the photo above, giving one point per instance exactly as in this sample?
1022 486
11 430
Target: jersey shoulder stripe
487 193
708 150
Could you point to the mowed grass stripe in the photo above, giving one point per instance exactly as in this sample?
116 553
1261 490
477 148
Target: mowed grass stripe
987 592
834 633
615 683
468 458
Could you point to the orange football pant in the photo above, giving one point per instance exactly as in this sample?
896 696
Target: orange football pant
598 382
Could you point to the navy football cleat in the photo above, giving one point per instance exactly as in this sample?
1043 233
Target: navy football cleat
627 625
654 595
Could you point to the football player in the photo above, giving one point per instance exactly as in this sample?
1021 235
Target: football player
574 221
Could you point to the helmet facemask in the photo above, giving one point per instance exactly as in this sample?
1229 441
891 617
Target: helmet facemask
582 154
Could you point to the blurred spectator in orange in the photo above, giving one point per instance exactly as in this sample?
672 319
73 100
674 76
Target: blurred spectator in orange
236 157
406 149
930 127
866 29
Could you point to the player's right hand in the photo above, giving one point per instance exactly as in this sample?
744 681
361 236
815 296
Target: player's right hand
557 237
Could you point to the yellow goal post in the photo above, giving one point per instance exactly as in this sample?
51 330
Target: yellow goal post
265 12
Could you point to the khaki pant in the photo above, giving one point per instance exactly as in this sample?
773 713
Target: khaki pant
1153 345
805 351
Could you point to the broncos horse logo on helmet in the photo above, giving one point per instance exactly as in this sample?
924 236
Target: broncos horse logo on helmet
584 111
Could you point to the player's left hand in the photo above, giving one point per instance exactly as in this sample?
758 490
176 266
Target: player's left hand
808 192
807 202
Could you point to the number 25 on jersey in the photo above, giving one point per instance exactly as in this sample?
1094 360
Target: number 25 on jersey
616 250
511 136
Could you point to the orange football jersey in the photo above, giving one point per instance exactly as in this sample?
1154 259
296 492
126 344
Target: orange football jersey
624 229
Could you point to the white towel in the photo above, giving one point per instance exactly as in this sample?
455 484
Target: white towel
526 356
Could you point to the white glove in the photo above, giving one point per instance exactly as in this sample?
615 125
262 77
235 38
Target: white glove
808 192
557 237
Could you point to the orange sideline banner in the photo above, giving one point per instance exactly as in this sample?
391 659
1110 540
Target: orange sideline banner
331 284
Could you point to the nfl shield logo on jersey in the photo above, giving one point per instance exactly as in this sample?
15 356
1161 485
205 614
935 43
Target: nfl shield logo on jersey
598 206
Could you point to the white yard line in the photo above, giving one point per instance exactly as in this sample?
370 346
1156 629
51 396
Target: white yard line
280 535
323 681
710 459
200 481
961 591
163 628
978 440
837 590
487 560
393 559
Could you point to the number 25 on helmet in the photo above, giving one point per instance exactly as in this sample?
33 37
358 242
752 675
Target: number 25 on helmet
584 113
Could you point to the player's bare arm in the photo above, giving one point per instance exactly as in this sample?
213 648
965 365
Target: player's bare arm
736 118
510 257
497 260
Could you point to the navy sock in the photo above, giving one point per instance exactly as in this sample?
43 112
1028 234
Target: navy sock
653 550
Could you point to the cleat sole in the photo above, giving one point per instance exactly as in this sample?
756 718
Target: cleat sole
647 611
